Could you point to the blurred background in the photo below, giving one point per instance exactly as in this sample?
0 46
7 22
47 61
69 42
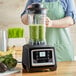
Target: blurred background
10 11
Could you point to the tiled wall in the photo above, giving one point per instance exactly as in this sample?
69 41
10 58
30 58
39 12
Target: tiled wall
10 11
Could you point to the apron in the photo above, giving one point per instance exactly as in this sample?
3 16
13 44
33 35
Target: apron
58 37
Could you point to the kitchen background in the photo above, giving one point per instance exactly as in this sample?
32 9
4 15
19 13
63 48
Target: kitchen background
10 11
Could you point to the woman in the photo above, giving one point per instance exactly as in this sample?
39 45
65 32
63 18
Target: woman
60 15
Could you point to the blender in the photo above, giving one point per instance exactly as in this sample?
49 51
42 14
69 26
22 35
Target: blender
37 55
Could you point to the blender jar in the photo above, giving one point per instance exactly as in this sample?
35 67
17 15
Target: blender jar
36 20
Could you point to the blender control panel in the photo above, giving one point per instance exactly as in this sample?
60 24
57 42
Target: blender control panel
41 57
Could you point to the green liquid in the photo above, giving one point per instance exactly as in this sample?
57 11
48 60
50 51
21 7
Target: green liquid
15 32
41 33
34 32
37 32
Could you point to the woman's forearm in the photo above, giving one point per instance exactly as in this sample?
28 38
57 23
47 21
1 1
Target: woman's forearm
62 23
24 19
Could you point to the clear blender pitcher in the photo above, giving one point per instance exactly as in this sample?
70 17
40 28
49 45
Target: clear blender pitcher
37 28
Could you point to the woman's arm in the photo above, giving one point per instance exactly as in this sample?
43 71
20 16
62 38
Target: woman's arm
24 19
68 20
61 23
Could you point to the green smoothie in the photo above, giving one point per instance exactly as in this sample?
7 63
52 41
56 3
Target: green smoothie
37 32
34 32
41 33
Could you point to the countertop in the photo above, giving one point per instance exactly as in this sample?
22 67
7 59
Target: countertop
63 69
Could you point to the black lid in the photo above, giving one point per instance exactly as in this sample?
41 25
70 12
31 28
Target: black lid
36 9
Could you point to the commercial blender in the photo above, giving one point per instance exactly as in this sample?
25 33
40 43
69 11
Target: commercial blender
37 55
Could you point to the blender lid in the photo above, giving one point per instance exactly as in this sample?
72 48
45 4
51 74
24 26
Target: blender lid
36 9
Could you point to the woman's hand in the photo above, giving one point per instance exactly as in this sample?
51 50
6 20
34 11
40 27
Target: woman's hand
48 22
30 6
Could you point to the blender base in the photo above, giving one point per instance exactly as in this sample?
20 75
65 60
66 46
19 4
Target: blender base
38 58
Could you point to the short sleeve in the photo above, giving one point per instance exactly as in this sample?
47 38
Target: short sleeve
71 9
29 2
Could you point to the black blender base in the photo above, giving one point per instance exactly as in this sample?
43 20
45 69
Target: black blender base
29 55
